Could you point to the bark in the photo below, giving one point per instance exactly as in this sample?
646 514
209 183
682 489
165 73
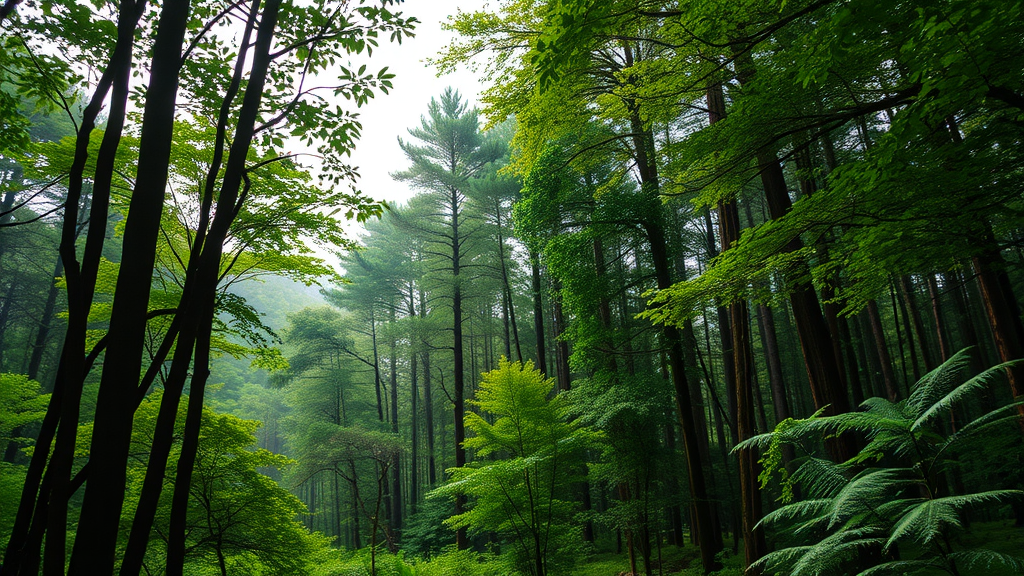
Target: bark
561 345
414 469
914 312
428 405
882 350
45 324
509 308
228 202
538 313
964 322
643 145
396 470
823 370
81 279
940 324
5 313
1002 311
742 388
461 541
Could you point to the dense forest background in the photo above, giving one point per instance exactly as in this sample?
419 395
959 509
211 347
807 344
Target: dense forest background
704 287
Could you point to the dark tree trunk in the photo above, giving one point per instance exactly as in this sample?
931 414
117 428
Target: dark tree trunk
538 313
414 468
914 311
882 350
461 541
561 345
45 323
396 469
742 389
428 405
1002 310
941 334
643 145
96 537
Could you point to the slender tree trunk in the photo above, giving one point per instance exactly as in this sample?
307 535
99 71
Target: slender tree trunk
96 537
538 313
643 144
940 324
891 388
907 291
414 469
742 387
428 405
1002 310
396 469
45 323
461 541
561 345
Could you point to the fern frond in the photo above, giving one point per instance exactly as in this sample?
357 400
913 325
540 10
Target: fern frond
820 478
869 423
761 442
834 553
999 416
929 519
888 409
937 383
900 567
773 561
796 511
987 559
866 490
966 390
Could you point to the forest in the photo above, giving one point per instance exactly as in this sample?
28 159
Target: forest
691 287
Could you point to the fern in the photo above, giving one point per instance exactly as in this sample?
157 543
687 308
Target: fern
931 519
957 395
893 490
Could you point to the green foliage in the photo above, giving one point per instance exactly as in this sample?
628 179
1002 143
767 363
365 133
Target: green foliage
20 404
12 477
461 562
522 494
424 534
895 494
237 515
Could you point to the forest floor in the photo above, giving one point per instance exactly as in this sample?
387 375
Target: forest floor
674 561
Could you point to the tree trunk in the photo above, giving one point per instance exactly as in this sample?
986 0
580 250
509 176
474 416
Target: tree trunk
96 537
538 313
414 468
396 469
1002 310
561 345
461 541
891 388
742 387
940 324
643 145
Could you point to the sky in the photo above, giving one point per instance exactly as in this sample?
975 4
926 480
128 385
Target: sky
386 117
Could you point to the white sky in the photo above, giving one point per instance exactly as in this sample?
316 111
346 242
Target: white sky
386 117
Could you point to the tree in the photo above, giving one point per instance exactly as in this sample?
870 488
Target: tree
310 37
451 150
521 495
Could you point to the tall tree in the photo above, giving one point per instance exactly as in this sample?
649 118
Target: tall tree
449 150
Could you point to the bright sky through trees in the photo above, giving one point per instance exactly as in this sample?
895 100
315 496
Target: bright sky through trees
388 116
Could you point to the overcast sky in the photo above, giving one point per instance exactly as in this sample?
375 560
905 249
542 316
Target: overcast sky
388 116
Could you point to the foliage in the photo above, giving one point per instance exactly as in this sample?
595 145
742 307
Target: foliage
20 404
521 495
238 517
893 495
462 562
